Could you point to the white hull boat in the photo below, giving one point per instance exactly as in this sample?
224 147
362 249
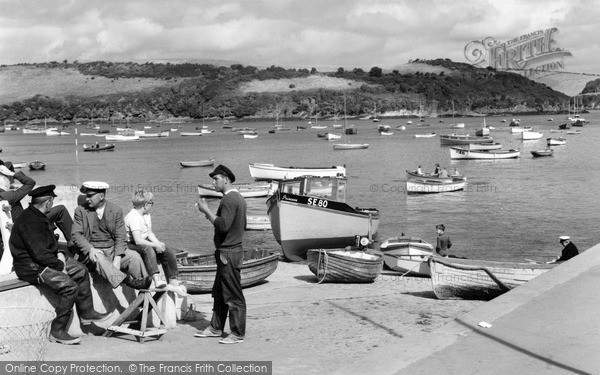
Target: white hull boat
531 135
430 135
431 186
121 138
310 212
270 172
407 255
463 153
246 190
556 141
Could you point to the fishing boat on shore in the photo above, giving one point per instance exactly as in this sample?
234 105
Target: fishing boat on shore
197 163
454 278
98 147
540 153
463 153
246 190
37 165
311 212
556 141
270 172
344 266
430 186
462 139
199 271
408 255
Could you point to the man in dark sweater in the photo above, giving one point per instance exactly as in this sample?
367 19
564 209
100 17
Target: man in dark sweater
569 250
229 223
38 260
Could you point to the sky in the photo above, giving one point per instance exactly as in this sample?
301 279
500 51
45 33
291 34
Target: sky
325 34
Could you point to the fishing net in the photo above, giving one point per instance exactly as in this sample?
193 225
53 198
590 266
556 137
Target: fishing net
24 333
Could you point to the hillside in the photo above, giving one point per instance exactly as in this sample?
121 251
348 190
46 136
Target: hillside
570 84
105 90
23 82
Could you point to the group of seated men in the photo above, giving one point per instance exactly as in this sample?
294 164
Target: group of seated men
96 240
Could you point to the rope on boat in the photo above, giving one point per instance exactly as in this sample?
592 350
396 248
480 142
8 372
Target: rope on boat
325 262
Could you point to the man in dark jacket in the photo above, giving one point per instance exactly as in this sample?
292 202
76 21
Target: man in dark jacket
569 250
38 260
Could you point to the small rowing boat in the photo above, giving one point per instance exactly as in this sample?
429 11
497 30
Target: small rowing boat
556 141
37 165
429 186
199 271
407 255
97 147
344 266
197 163
546 152
462 153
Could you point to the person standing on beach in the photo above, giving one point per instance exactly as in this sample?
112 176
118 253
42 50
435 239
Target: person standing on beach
569 250
229 223
443 241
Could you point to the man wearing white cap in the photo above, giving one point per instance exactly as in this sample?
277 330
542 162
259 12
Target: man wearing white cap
100 237
569 250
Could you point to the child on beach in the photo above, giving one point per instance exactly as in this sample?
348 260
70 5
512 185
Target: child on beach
443 241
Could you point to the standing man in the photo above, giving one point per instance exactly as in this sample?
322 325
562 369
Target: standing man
443 241
569 250
38 260
229 223
100 238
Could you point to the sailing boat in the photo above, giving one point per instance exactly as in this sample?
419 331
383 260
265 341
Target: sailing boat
316 125
375 119
346 145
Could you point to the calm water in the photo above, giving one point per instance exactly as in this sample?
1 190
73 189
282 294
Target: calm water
512 209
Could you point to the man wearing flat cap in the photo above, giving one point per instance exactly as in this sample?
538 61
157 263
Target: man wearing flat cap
37 259
101 240
569 250
229 223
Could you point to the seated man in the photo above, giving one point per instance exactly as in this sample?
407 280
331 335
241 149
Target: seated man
38 260
101 242
59 215
569 250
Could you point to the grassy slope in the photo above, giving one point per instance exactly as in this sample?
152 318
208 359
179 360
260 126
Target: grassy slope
22 82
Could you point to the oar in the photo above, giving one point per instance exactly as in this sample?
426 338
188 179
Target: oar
531 261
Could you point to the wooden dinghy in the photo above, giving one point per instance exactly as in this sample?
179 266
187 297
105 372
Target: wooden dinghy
344 266
197 163
199 271
453 278
408 255
97 147
37 165
545 152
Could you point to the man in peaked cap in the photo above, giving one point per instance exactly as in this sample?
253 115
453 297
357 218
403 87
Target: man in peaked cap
569 250
101 240
229 223
37 259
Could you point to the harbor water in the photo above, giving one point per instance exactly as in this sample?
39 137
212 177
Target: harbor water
511 209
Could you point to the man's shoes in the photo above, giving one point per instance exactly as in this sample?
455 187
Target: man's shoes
231 339
208 332
159 283
64 338
95 317
143 283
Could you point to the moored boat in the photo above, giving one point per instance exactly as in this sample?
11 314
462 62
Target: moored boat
37 165
332 136
98 147
121 138
311 212
463 153
531 135
460 139
250 136
556 141
344 266
350 146
407 255
258 222
154 135
545 152
270 172
197 163
518 130
482 146
246 190
190 134
453 278
199 271
428 135
430 186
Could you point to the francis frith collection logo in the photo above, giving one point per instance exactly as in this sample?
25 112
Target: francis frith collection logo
529 54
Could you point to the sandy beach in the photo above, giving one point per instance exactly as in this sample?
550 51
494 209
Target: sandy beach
303 327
